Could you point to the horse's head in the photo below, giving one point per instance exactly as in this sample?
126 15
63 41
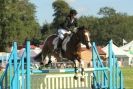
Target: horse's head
83 36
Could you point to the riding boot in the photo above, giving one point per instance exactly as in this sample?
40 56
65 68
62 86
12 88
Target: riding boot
59 45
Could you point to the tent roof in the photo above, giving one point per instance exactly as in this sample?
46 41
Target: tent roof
33 52
127 46
117 51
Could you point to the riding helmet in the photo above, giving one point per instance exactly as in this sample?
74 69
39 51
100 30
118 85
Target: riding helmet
73 11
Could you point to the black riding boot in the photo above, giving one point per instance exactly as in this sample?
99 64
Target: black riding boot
59 45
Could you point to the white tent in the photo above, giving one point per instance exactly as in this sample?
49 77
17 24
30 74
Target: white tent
117 51
120 54
127 47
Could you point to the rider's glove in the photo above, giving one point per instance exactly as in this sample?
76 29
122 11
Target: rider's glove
75 29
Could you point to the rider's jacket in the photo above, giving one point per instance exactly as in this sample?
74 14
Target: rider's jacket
69 23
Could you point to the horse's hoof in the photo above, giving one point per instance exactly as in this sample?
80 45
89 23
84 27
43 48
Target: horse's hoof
82 79
75 77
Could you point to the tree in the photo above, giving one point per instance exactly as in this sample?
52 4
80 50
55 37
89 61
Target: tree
17 22
61 9
109 25
107 11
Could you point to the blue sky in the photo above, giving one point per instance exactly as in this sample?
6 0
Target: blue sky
84 7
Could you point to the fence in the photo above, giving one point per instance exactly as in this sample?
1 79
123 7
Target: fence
17 77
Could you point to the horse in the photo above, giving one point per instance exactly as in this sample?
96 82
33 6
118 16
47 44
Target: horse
70 48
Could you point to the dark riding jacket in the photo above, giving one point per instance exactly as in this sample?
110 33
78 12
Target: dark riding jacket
70 23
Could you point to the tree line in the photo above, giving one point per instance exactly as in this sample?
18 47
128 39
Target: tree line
18 23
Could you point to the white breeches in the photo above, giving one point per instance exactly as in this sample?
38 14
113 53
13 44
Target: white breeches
61 33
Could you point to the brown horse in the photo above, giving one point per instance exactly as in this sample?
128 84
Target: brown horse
70 48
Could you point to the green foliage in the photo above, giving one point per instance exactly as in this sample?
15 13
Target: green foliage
107 12
17 22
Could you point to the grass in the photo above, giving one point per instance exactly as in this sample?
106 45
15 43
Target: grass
128 77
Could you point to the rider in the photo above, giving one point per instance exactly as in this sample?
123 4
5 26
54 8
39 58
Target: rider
69 24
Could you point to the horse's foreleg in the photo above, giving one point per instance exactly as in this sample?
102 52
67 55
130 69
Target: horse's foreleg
82 70
76 69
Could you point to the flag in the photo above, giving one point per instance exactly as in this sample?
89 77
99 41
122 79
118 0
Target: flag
124 41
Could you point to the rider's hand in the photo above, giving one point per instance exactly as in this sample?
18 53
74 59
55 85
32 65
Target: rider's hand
75 29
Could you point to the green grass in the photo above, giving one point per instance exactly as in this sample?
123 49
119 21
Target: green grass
128 77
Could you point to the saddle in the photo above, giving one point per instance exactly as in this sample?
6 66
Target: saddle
62 44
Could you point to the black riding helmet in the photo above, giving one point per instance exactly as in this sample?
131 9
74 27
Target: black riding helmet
72 11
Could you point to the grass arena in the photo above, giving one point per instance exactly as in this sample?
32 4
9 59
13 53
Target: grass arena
17 76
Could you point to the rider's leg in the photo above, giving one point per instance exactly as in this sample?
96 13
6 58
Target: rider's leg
61 33
59 45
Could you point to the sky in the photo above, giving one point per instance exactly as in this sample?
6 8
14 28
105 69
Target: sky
44 10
